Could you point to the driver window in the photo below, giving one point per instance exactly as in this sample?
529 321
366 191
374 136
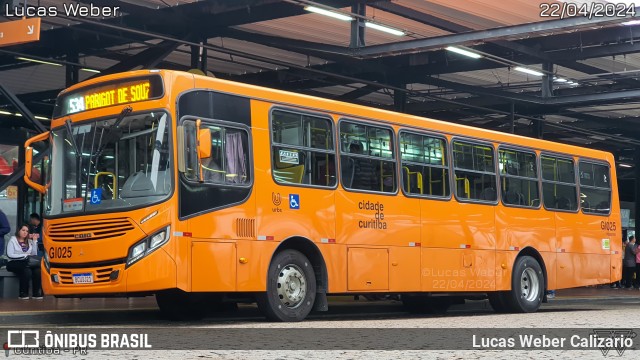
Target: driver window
229 160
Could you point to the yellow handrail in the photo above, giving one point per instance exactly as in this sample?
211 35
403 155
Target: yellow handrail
115 182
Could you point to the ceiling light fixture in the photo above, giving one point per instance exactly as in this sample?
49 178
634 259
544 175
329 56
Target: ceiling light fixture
632 22
91 70
624 165
384 28
328 13
560 80
528 71
5 112
464 52
37 61
41 117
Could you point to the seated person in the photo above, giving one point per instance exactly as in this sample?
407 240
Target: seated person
24 261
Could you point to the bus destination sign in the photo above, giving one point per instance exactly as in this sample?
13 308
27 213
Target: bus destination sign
113 94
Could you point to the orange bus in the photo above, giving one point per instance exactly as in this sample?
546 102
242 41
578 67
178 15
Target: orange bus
200 190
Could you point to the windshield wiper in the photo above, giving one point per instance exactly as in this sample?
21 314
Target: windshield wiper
76 150
101 146
67 124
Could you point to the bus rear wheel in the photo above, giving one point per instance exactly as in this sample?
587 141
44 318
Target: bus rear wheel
527 286
291 288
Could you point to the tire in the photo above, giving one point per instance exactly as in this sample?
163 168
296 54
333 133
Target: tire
291 288
527 286
176 304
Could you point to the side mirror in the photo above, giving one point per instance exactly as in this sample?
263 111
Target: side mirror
204 143
28 161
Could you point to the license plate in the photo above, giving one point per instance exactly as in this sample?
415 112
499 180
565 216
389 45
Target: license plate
84 278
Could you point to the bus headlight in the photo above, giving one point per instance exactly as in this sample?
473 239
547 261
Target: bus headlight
147 245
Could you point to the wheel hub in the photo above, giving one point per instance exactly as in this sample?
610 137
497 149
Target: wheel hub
529 284
292 286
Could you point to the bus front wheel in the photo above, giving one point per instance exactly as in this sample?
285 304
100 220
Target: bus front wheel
527 286
291 288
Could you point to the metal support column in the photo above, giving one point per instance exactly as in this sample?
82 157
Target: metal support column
199 57
513 118
22 193
72 71
636 199
22 109
357 25
400 99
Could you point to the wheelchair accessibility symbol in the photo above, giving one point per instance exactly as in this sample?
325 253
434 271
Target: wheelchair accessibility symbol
96 196
294 201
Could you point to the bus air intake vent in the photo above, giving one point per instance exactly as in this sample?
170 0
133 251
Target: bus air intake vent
90 230
245 228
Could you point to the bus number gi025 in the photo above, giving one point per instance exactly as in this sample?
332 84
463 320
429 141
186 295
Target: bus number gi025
63 252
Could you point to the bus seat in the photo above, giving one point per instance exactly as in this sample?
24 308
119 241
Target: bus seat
535 202
288 172
348 171
514 198
291 174
488 194
563 203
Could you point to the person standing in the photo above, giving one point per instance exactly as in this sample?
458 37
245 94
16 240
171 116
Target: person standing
629 263
4 230
23 261
35 232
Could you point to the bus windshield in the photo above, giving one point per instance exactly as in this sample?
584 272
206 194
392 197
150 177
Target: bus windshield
107 164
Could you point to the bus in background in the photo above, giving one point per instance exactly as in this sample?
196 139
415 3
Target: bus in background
200 190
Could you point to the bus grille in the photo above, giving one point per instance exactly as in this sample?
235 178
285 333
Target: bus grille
245 228
101 275
90 230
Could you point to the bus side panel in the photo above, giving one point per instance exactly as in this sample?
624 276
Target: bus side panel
575 270
583 250
450 224
213 265
404 269
451 270
518 228
380 222
458 246
252 276
335 258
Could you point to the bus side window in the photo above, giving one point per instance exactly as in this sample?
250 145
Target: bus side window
474 171
595 188
302 148
368 157
559 190
425 167
519 177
